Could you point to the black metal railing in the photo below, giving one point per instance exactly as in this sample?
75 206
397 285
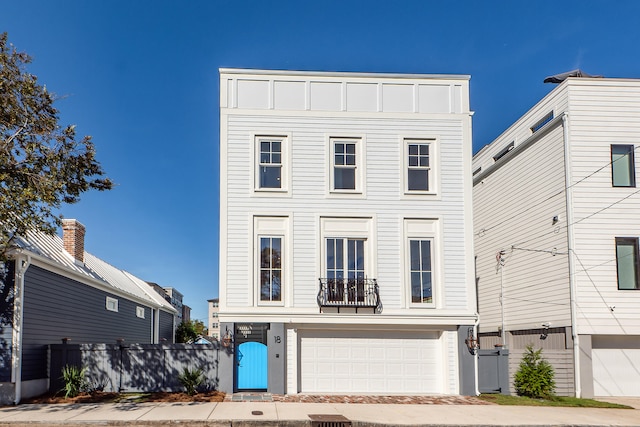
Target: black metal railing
357 293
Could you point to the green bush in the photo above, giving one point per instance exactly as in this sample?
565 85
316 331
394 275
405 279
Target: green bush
74 381
535 376
191 380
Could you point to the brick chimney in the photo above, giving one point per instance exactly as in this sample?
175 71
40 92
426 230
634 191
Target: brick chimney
73 238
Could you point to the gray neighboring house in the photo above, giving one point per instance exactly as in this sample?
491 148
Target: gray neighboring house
61 291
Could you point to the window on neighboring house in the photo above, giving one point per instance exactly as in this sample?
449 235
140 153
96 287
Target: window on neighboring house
270 268
345 163
504 151
270 163
543 121
418 165
627 262
344 266
112 304
420 271
623 172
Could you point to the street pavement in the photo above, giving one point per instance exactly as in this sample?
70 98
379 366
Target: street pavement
274 413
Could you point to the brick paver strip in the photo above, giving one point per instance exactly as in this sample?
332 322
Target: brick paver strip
331 398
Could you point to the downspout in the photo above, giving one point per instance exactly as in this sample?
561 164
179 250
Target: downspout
475 361
22 263
156 326
570 246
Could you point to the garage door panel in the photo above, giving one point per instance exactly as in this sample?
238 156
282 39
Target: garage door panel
616 372
349 362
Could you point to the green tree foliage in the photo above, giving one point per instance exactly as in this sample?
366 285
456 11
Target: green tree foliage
535 376
186 332
42 164
200 327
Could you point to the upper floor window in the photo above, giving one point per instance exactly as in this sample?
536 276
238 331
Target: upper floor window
418 165
270 269
627 262
420 254
504 151
346 165
269 260
270 173
111 304
623 173
421 271
543 121
272 166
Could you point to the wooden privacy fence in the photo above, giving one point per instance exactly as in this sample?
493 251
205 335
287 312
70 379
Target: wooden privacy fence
136 367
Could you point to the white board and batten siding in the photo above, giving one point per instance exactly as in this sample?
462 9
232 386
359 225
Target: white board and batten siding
309 109
603 112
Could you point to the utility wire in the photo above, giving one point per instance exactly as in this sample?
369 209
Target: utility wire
481 232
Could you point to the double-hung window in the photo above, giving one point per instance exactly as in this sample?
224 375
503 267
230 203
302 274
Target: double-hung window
346 165
418 165
270 268
623 172
271 164
627 263
270 174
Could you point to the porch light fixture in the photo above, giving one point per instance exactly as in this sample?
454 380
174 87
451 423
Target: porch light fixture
472 342
227 338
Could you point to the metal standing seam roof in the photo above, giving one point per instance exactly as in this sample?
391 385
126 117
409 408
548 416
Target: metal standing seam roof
52 248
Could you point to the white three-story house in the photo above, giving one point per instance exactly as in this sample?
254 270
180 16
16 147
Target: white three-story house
346 257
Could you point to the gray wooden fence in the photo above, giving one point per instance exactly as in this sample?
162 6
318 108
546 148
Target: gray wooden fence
136 367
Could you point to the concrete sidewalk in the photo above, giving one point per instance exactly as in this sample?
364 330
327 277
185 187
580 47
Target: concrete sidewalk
297 414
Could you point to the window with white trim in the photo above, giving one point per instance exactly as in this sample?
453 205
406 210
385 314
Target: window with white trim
111 304
270 259
418 165
420 261
346 165
420 270
271 171
270 268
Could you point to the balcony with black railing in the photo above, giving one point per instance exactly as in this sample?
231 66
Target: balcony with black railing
349 293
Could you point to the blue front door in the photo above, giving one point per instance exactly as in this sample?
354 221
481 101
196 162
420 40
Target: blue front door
251 359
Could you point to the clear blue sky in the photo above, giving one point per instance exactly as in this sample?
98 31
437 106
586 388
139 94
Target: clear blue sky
141 77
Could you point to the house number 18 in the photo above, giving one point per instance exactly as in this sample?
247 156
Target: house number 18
277 339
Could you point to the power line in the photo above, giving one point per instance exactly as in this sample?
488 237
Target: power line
481 232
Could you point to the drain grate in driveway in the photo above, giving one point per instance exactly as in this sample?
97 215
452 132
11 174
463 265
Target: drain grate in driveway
329 420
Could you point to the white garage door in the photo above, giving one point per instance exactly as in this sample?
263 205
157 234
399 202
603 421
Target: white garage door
370 362
616 371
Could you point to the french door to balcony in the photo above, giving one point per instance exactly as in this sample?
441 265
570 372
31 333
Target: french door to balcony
345 269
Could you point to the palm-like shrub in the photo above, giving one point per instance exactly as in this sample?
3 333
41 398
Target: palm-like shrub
535 376
191 380
74 381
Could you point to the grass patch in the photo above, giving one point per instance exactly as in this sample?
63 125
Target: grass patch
501 399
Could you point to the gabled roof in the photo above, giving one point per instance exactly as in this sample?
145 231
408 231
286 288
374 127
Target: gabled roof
96 272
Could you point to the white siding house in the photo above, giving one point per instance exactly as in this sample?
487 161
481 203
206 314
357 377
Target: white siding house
556 230
345 232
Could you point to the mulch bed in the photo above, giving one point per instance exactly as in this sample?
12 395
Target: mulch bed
110 397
